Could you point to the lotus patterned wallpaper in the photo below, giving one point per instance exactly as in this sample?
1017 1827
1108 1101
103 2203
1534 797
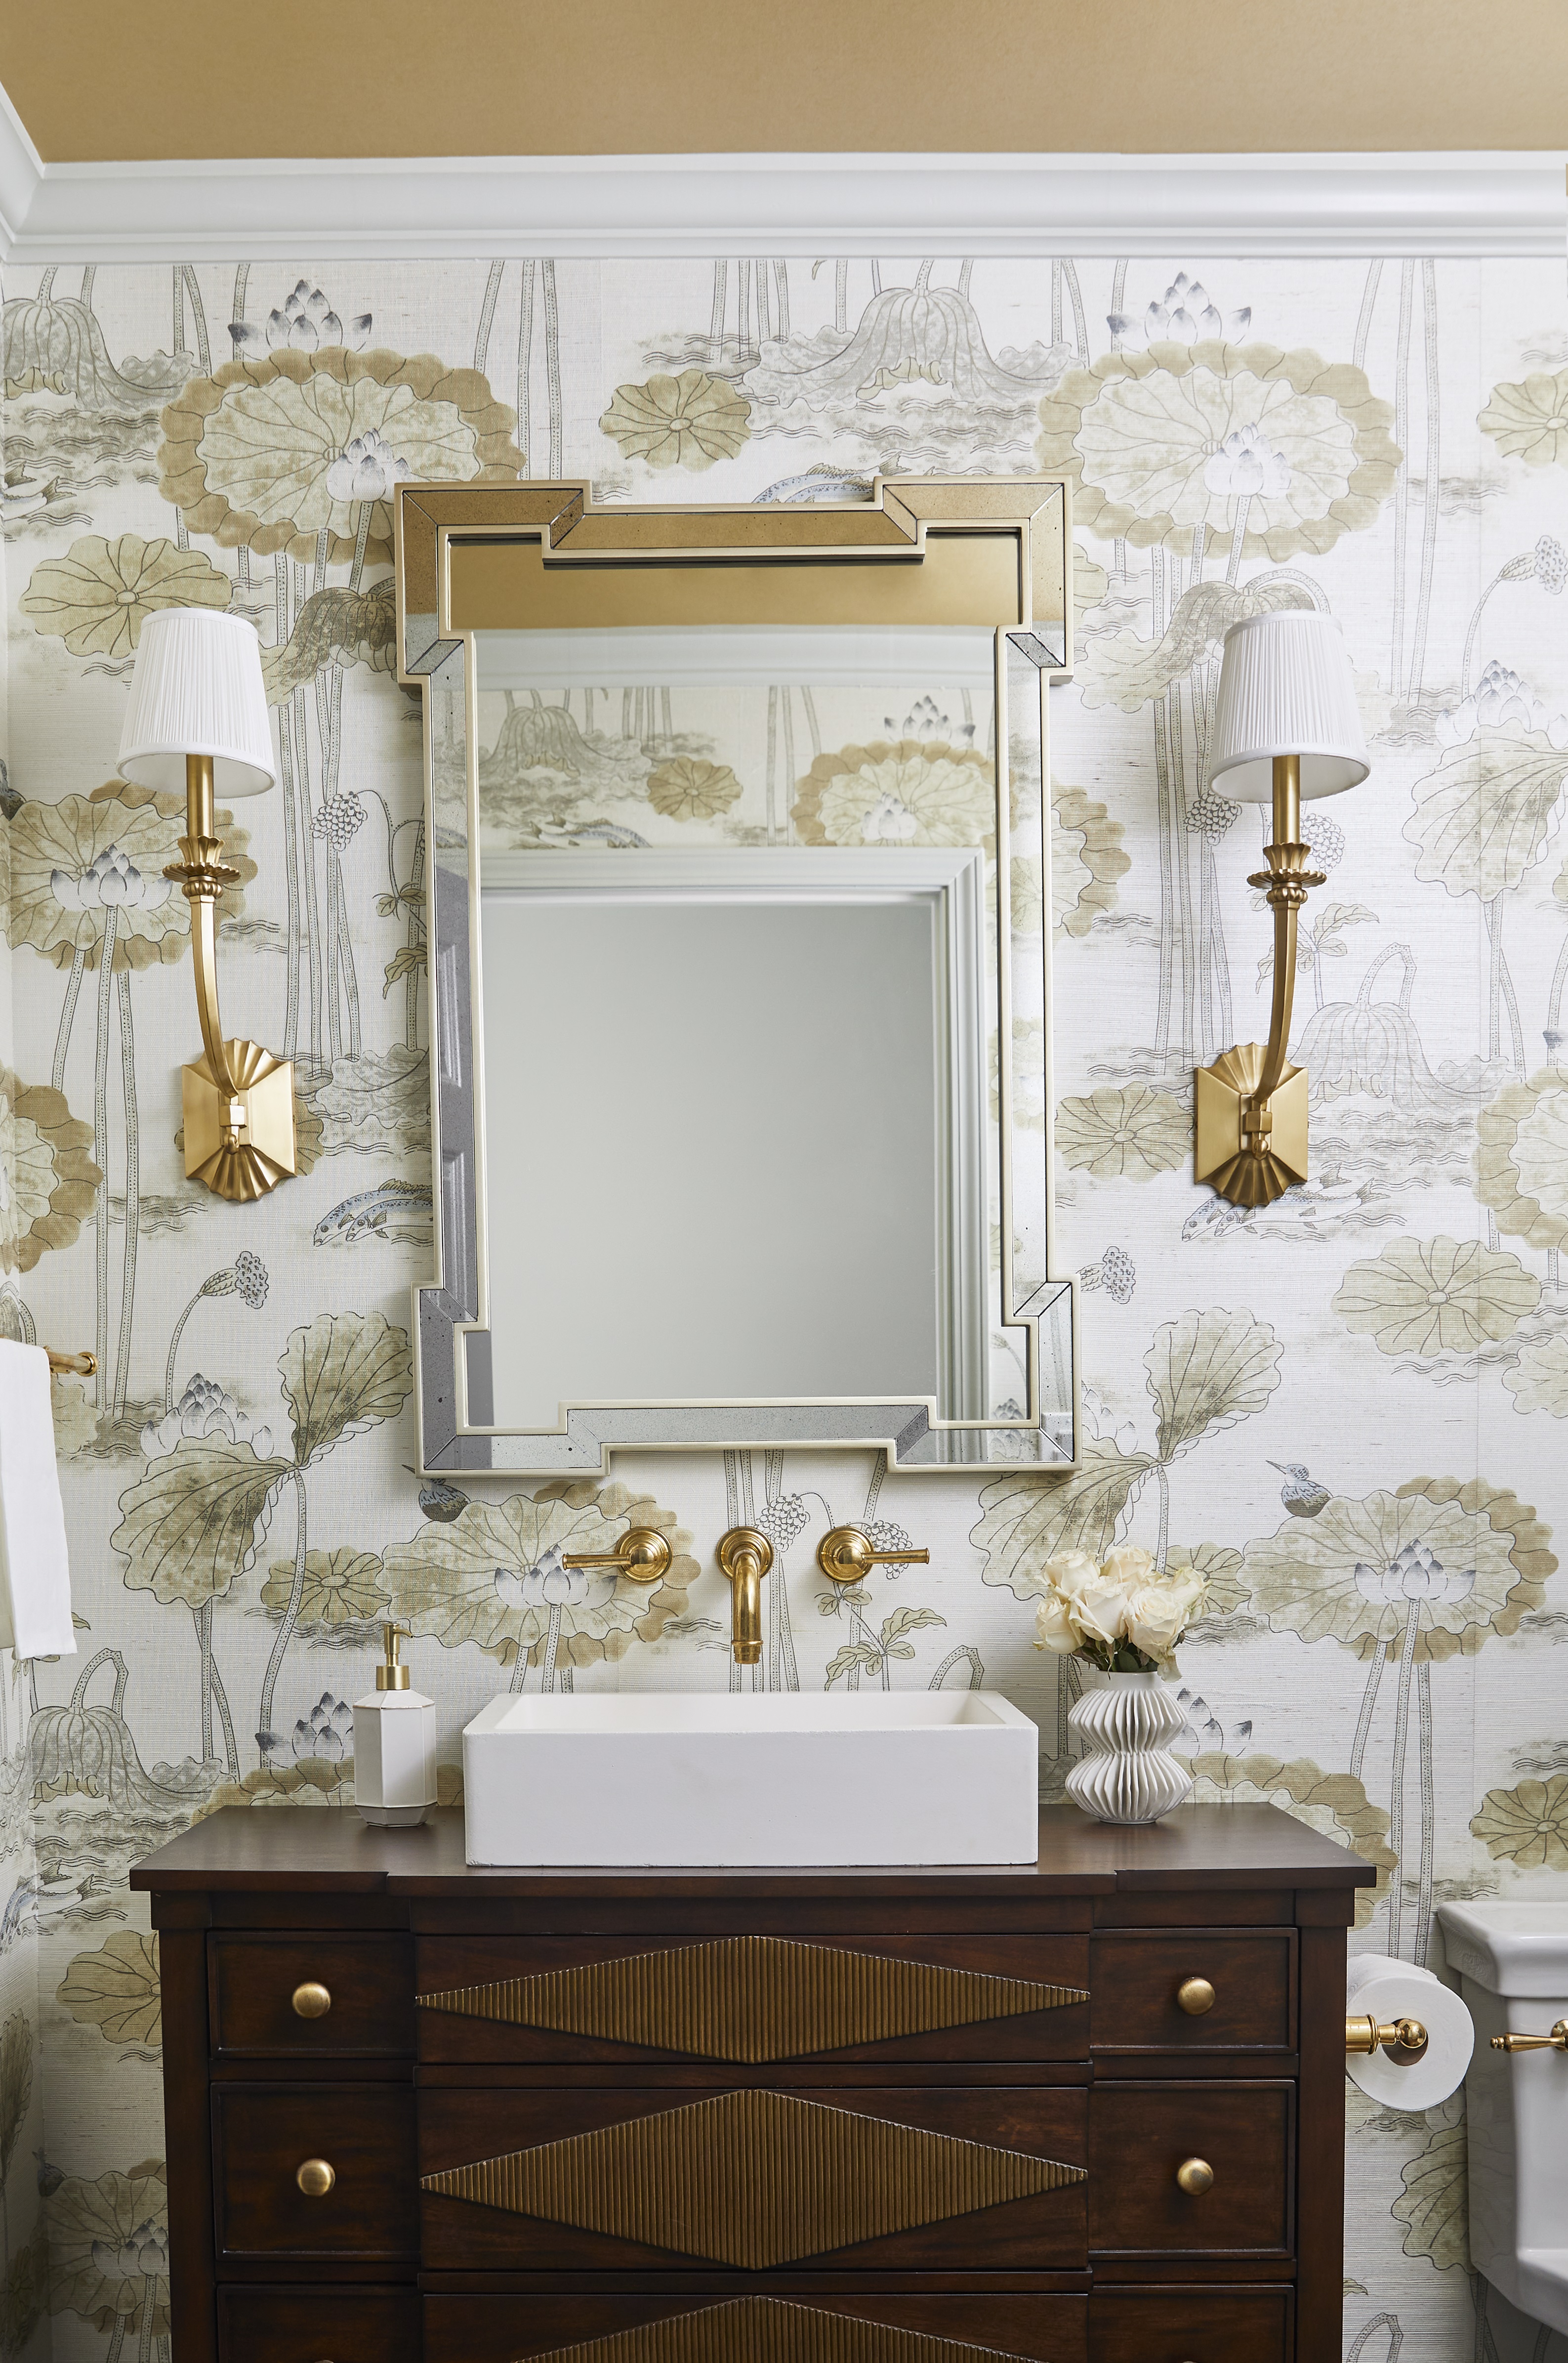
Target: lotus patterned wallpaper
1346 1409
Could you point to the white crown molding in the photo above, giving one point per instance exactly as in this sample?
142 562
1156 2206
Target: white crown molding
1468 203
21 175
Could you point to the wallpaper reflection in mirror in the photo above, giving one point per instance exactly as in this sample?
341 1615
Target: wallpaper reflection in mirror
775 963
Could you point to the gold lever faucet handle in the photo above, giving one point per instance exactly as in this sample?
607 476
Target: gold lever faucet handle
847 1555
1404 2040
643 1556
1556 2041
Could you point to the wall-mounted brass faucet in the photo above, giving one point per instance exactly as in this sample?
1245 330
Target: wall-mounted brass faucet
746 1557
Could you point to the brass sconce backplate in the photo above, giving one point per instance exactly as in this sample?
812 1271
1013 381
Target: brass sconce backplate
1222 1154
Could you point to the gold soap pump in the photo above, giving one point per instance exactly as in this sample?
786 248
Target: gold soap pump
394 1745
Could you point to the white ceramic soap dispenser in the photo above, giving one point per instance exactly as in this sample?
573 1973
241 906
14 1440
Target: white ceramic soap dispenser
394 1745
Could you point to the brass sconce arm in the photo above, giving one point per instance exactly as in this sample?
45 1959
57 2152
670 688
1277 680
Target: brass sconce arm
202 878
1250 1107
238 1102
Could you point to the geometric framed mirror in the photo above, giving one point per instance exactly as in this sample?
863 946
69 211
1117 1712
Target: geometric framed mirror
738 830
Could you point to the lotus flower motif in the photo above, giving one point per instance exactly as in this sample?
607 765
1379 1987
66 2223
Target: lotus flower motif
111 880
204 1410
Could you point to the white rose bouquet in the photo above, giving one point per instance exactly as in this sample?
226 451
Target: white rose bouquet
1121 1615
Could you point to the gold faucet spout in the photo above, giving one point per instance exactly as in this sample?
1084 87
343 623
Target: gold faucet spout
745 1556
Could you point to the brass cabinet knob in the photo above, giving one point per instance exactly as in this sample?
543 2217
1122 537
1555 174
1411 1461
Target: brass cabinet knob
1195 2176
311 1999
315 2178
1195 1995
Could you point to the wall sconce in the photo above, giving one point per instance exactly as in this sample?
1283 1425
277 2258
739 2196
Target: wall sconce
1287 727
198 719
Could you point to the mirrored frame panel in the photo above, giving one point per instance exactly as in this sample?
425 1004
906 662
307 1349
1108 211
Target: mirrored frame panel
512 599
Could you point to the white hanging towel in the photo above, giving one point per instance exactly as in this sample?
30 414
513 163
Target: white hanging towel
34 1575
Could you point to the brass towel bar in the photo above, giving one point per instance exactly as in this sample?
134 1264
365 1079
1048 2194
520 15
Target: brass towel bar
72 1366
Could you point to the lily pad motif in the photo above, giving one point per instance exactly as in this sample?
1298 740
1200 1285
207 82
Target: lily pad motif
192 1526
1521 1158
116 1989
341 1587
1436 1296
1529 420
910 791
341 1375
1087 860
687 421
1128 1132
1538 1378
1122 670
1436 1568
252 454
1026 1520
687 788
1488 811
1434 2204
109 2243
495 1576
1207 1371
53 1181
97 597
1335 1803
1528 1825
1139 435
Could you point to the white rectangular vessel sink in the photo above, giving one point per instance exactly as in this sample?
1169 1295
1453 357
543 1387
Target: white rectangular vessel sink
665 1779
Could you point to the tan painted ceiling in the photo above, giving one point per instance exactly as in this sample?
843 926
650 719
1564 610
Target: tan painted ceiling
99 79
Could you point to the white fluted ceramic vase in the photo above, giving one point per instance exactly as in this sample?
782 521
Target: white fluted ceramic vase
1127 1772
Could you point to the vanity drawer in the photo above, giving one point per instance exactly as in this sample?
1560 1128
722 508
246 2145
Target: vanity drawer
1138 1981
1142 2134
307 2325
263 2135
257 1990
762 2329
1189 2325
579 2000
892 2179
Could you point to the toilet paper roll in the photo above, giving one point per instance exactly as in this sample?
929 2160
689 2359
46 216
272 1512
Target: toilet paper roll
1386 1990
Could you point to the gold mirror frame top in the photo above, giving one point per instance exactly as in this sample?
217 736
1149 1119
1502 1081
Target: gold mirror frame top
992 551
442 532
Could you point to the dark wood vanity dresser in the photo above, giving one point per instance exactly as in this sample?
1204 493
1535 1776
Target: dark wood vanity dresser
1088 2111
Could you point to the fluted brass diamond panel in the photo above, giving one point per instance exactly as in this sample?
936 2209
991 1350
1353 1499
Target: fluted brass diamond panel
765 2330
752 1999
753 2178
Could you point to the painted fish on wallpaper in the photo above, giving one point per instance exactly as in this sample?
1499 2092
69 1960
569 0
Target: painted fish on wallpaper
396 1210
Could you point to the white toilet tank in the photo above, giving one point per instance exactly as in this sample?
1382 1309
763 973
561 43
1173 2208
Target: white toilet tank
1513 1961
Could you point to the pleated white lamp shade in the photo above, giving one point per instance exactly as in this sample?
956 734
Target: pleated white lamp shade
198 690
1285 689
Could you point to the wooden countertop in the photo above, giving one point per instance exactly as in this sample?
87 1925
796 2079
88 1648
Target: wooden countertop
329 1850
